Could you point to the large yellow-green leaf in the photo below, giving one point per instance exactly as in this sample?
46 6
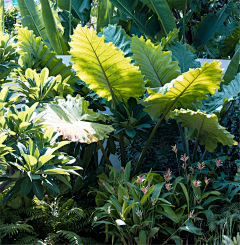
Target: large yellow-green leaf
211 132
103 67
187 88
75 122
155 64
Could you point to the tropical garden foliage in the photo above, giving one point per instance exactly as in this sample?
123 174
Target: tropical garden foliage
133 89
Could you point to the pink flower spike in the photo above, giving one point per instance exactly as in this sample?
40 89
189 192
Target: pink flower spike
201 165
167 176
168 186
184 166
144 190
104 183
196 183
122 169
184 158
218 162
175 148
207 181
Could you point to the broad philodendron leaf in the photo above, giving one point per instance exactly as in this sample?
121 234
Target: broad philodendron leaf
211 132
165 16
103 67
171 37
155 64
209 25
187 88
227 94
118 37
75 122
184 56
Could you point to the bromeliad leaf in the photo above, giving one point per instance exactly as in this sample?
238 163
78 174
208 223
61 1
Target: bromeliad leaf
187 88
103 67
155 64
211 132
75 121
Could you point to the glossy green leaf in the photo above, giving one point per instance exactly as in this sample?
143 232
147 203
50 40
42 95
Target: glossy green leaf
37 189
148 193
142 237
105 14
26 186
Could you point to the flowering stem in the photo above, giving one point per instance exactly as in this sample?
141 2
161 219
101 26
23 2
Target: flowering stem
196 144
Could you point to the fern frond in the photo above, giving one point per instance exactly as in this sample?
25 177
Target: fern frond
72 237
13 229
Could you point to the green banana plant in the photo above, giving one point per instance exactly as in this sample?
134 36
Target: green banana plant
42 22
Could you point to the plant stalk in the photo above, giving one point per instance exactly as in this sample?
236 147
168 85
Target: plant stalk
140 160
183 138
196 144
70 9
226 113
104 153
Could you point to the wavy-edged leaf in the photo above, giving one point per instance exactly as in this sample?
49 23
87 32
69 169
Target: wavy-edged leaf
230 42
229 93
155 64
103 67
75 122
118 37
183 56
211 131
171 37
36 55
146 20
164 14
187 88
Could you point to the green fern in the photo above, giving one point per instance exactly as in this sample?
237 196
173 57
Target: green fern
72 237
13 229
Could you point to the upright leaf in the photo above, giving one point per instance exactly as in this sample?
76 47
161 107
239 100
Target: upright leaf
53 33
184 90
146 20
155 64
165 16
103 67
105 14
209 25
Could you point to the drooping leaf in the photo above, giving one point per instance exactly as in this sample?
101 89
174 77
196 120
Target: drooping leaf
110 72
37 189
145 19
184 56
209 25
118 37
230 42
161 8
155 64
184 90
228 93
75 122
211 132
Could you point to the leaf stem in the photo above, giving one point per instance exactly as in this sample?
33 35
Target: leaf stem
226 113
196 144
140 160
104 153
